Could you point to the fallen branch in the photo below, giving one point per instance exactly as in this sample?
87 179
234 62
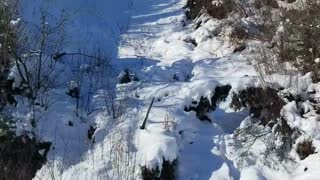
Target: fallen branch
60 55
143 126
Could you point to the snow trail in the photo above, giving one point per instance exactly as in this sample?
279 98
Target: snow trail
157 34
175 63
153 40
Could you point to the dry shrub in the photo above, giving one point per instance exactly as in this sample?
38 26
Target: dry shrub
265 62
304 149
265 106
264 103
287 136
169 122
271 3
239 33
299 42
218 10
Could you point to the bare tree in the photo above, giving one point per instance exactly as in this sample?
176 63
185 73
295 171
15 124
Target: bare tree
36 69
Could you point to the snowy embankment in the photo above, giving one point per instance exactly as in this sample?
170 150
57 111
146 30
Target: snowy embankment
180 73
183 64
90 26
175 64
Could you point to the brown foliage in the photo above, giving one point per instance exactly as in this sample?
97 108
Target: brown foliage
304 149
196 7
299 43
264 103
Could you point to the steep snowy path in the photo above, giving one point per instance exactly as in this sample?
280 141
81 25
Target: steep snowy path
157 37
158 49
175 63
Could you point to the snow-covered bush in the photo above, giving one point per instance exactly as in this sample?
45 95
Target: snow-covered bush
283 123
206 105
127 76
166 172
264 103
264 123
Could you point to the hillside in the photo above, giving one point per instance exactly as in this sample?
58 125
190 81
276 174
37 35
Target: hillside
160 89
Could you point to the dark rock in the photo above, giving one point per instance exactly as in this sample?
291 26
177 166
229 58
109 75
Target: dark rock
127 76
91 132
70 123
240 48
191 41
74 92
175 77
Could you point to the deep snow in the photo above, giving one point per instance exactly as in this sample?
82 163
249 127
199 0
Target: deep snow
152 39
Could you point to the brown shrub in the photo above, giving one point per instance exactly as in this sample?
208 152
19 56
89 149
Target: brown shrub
264 103
304 149
197 7
239 33
299 43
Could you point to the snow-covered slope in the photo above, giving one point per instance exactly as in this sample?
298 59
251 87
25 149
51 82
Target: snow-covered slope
154 41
